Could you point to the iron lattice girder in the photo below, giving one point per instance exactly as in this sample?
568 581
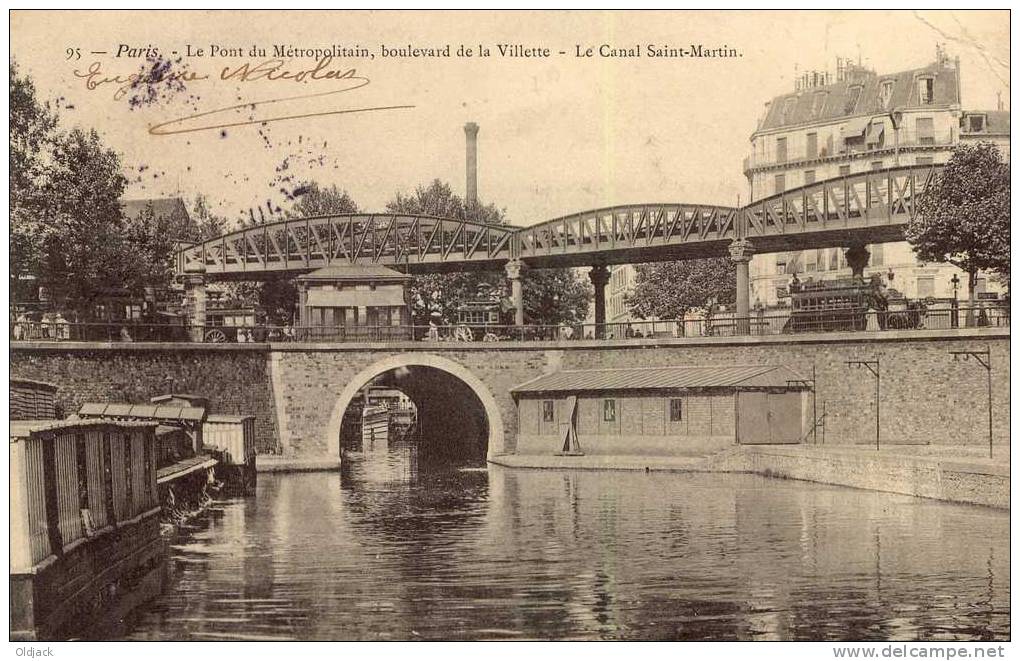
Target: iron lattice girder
857 202
876 204
388 239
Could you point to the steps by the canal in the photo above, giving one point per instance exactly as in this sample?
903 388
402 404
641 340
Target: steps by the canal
954 474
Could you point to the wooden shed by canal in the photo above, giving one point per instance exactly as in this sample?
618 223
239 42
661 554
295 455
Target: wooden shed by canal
680 410
85 539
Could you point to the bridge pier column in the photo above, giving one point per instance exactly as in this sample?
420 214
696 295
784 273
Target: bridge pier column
857 258
741 251
514 270
599 276
194 289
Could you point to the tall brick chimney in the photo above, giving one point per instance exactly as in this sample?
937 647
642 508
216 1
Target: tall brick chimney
471 196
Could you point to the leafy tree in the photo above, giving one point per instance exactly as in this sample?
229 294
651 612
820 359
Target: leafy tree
67 225
85 253
963 216
32 131
551 296
205 224
667 290
149 239
313 200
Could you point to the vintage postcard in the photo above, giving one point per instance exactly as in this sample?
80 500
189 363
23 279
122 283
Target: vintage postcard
511 326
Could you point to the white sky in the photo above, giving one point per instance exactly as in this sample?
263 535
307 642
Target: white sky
557 136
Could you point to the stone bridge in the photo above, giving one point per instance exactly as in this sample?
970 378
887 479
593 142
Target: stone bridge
298 392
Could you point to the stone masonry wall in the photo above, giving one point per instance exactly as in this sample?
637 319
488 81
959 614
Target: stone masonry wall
926 397
235 380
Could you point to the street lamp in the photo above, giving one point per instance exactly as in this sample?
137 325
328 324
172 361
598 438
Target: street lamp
984 358
955 317
873 367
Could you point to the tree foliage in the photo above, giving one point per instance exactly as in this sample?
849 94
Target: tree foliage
667 290
551 296
67 228
963 216
315 200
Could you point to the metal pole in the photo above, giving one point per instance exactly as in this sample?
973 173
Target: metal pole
814 404
878 404
988 369
825 420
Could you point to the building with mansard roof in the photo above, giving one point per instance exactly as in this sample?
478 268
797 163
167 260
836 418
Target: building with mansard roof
859 121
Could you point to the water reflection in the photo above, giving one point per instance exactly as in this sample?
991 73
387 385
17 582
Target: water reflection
396 547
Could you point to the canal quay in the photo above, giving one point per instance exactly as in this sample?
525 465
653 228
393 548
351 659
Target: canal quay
781 418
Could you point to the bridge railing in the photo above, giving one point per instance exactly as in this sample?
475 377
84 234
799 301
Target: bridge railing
721 325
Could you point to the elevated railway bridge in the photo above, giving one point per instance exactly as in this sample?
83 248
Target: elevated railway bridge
851 211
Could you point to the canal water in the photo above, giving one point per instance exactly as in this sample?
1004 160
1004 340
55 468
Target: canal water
396 548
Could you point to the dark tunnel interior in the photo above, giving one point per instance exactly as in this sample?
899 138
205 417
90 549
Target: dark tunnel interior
451 425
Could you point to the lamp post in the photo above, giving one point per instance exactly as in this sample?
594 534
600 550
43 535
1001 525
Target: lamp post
955 315
875 369
984 358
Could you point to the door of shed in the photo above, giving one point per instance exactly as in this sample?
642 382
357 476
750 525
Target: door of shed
764 418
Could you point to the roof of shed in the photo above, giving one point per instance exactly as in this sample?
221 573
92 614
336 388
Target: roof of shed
355 272
656 378
174 412
25 428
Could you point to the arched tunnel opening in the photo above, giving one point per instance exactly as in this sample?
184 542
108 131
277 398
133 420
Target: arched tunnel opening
444 423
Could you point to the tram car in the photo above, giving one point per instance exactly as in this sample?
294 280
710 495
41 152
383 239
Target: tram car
833 305
844 305
233 324
481 317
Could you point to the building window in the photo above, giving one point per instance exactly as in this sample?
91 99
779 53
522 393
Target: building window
812 145
925 127
780 183
548 411
780 268
809 177
823 260
810 260
844 170
876 165
676 411
877 254
609 410
975 123
853 95
926 90
925 286
885 93
834 259
780 150
924 160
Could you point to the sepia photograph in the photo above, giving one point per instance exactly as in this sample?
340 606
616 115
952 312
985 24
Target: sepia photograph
492 325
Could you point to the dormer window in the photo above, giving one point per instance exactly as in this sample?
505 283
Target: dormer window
853 95
788 107
975 124
885 91
818 104
926 90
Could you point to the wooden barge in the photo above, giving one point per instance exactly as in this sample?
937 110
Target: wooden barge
85 525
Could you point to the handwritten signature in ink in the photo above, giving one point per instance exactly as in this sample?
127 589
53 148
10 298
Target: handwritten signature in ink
258 112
